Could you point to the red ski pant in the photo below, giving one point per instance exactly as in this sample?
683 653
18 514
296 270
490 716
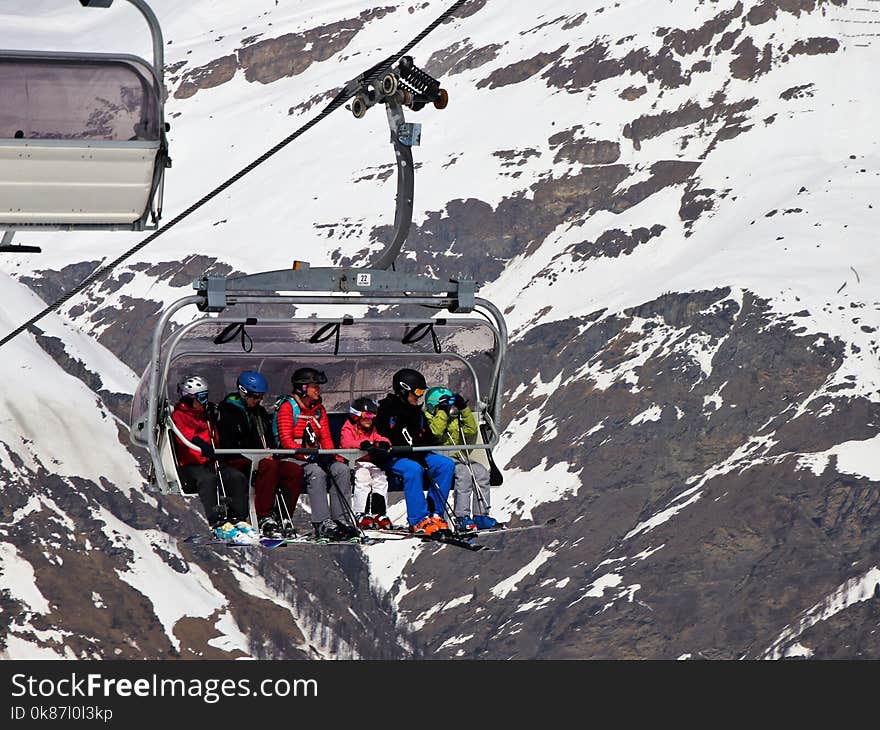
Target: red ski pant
273 474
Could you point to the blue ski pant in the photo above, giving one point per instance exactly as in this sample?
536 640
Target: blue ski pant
440 468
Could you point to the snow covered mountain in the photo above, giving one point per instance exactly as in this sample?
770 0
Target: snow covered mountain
672 202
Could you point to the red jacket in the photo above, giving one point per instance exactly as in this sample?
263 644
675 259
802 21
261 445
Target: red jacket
191 422
352 435
290 435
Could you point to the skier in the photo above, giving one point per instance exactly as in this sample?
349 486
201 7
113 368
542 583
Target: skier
301 422
245 424
453 423
402 421
370 481
222 489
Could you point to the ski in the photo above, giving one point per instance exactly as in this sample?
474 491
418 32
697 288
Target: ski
400 532
393 534
264 542
503 529
462 541
311 540
272 543
447 539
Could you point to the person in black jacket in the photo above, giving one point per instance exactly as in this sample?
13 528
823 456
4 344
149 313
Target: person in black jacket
243 423
402 421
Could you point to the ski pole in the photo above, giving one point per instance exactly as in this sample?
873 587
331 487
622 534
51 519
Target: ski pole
467 463
348 510
448 513
222 503
283 510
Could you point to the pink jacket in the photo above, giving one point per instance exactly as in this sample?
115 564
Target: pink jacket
352 435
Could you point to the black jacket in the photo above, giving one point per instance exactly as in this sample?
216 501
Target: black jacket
243 427
397 419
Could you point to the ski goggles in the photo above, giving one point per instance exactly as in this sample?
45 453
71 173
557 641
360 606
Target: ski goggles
418 392
202 397
362 414
256 396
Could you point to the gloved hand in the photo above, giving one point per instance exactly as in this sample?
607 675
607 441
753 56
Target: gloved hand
206 448
365 445
444 402
379 452
322 460
458 401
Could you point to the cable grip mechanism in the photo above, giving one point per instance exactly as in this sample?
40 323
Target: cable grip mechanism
406 84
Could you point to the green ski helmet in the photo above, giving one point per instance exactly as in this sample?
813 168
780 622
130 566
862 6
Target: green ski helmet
433 396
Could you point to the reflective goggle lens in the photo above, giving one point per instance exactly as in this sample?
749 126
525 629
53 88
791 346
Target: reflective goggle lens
202 397
368 415
419 392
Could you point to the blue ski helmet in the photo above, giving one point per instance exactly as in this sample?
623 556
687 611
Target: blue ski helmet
250 382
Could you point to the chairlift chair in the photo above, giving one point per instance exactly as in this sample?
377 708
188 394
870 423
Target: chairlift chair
463 346
83 137
461 343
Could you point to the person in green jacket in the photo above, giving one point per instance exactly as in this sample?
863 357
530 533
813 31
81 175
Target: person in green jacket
453 423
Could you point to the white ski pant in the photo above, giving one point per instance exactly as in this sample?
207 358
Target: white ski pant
368 478
465 495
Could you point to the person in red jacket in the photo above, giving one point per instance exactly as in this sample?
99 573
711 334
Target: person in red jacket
301 422
199 471
370 480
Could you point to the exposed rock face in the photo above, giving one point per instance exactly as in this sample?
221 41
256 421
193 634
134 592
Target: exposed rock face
460 57
268 60
643 584
95 602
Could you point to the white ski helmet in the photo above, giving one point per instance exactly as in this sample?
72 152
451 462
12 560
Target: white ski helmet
191 386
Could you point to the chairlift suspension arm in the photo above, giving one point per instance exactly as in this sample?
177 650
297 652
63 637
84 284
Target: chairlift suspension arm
397 87
155 32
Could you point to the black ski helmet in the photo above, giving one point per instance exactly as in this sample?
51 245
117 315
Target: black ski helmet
363 405
408 380
306 376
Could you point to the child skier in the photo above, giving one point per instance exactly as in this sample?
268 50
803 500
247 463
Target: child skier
370 481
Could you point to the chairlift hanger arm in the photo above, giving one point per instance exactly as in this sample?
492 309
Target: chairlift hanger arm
397 87
155 32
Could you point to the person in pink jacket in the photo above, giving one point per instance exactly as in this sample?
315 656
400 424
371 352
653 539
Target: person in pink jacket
370 481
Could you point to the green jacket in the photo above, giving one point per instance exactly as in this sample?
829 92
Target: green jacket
446 429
